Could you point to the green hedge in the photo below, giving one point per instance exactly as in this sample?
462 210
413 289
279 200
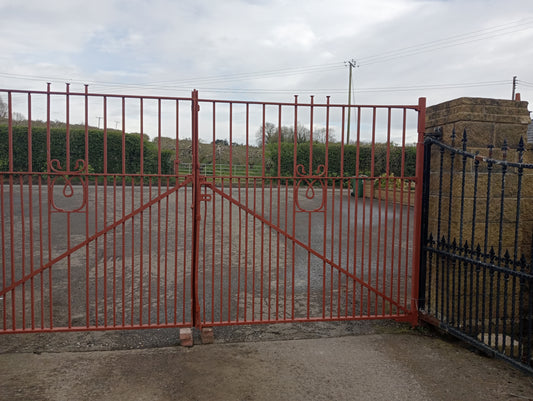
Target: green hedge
77 151
286 151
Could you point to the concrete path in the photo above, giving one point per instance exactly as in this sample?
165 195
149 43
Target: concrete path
390 366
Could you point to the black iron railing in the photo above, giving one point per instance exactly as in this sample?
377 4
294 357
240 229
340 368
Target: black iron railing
476 278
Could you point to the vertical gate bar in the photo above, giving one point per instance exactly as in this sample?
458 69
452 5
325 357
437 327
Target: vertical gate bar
141 273
49 200
141 225
262 215
349 217
356 209
333 214
520 171
396 204
270 251
23 250
500 239
418 211
11 205
213 206
309 215
473 245
230 207
87 256
196 320
96 253
439 264
278 180
105 210
41 247
363 247
165 291
4 273
339 240
30 189
378 248
158 211
254 246
221 303
485 244
239 256
462 243
176 216
132 309
372 174
341 205
286 230
386 243
294 194
185 219
67 145
203 255
449 240
426 175
247 185
114 295
407 240
176 225
401 222
123 277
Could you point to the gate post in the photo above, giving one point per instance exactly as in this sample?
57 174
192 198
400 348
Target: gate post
415 275
195 210
424 226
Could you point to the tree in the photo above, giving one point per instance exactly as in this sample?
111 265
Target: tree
270 134
3 110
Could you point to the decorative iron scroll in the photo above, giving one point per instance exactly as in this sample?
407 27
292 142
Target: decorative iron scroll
310 181
68 192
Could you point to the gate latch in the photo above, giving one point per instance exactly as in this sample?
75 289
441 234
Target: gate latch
205 198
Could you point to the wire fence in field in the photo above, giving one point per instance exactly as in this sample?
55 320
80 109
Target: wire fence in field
223 169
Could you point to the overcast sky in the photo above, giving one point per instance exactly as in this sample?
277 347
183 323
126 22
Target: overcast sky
269 50
272 49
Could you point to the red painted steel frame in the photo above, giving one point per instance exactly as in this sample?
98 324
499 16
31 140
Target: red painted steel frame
110 233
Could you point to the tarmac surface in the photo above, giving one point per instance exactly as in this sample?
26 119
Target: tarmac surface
358 361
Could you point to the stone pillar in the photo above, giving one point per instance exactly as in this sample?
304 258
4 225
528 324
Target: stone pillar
482 303
487 122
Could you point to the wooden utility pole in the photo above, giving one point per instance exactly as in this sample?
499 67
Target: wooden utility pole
351 64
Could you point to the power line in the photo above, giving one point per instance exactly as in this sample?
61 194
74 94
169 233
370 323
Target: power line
450 41
185 84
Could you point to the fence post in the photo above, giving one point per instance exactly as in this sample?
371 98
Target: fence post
424 226
196 210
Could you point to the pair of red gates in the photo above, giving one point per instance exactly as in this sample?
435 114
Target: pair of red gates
225 212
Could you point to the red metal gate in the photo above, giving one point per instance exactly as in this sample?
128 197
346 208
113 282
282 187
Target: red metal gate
193 212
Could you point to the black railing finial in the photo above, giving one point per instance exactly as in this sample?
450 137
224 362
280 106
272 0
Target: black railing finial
453 136
505 147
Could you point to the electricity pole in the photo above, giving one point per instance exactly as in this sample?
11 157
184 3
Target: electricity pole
514 88
351 63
